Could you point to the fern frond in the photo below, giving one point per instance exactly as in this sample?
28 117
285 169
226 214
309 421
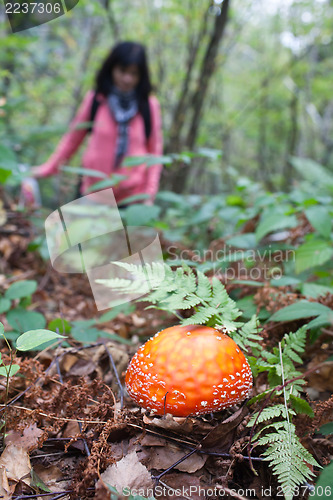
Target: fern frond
247 336
201 316
269 413
122 285
183 288
292 345
204 288
288 458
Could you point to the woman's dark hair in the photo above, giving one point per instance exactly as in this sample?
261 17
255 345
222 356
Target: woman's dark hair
124 54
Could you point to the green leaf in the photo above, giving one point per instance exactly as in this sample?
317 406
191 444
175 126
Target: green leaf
314 290
133 199
84 331
9 370
299 310
287 456
248 283
320 219
247 240
4 175
85 171
313 171
34 338
21 289
149 160
62 325
323 319
37 482
141 215
5 305
312 253
235 200
7 159
2 329
326 429
272 223
115 311
170 197
324 485
21 319
300 405
285 281
107 183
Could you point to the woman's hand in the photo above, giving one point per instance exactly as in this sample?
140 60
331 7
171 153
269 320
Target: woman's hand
40 171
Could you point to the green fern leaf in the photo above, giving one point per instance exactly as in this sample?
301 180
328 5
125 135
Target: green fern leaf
204 288
247 336
269 413
288 459
203 315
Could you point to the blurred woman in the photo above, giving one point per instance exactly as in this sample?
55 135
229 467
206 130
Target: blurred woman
125 120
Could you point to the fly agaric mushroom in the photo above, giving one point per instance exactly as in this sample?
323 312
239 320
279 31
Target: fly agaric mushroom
188 370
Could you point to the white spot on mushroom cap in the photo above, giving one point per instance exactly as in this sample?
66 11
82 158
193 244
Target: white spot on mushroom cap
204 403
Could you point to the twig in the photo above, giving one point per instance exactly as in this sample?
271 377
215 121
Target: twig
185 457
63 419
190 445
59 493
173 490
121 389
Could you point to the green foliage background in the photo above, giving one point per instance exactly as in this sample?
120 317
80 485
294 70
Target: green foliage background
269 98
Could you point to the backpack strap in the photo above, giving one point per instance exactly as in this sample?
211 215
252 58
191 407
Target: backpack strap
93 111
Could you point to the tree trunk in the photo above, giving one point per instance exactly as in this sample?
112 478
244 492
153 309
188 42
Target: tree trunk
207 70
178 119
292 140
196 103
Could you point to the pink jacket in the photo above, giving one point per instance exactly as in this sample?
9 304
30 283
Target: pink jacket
101 149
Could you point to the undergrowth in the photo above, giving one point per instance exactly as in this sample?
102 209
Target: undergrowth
272 428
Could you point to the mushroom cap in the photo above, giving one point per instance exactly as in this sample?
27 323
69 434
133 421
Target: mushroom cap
188 370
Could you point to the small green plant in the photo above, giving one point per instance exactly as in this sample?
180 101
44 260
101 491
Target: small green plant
86 331
14 303
27 341
289 460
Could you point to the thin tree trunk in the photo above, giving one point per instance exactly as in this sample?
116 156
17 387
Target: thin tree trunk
208 66
262 133
292 140
179 115
207 70
92 38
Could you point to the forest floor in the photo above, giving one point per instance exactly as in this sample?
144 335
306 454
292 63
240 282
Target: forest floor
71 430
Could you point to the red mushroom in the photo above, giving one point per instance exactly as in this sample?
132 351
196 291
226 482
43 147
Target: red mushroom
188 370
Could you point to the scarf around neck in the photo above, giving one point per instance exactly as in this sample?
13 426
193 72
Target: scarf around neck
123 106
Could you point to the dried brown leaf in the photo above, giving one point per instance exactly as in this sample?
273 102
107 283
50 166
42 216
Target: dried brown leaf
224 428
29 439
6 490
128 473
17 465
163 457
